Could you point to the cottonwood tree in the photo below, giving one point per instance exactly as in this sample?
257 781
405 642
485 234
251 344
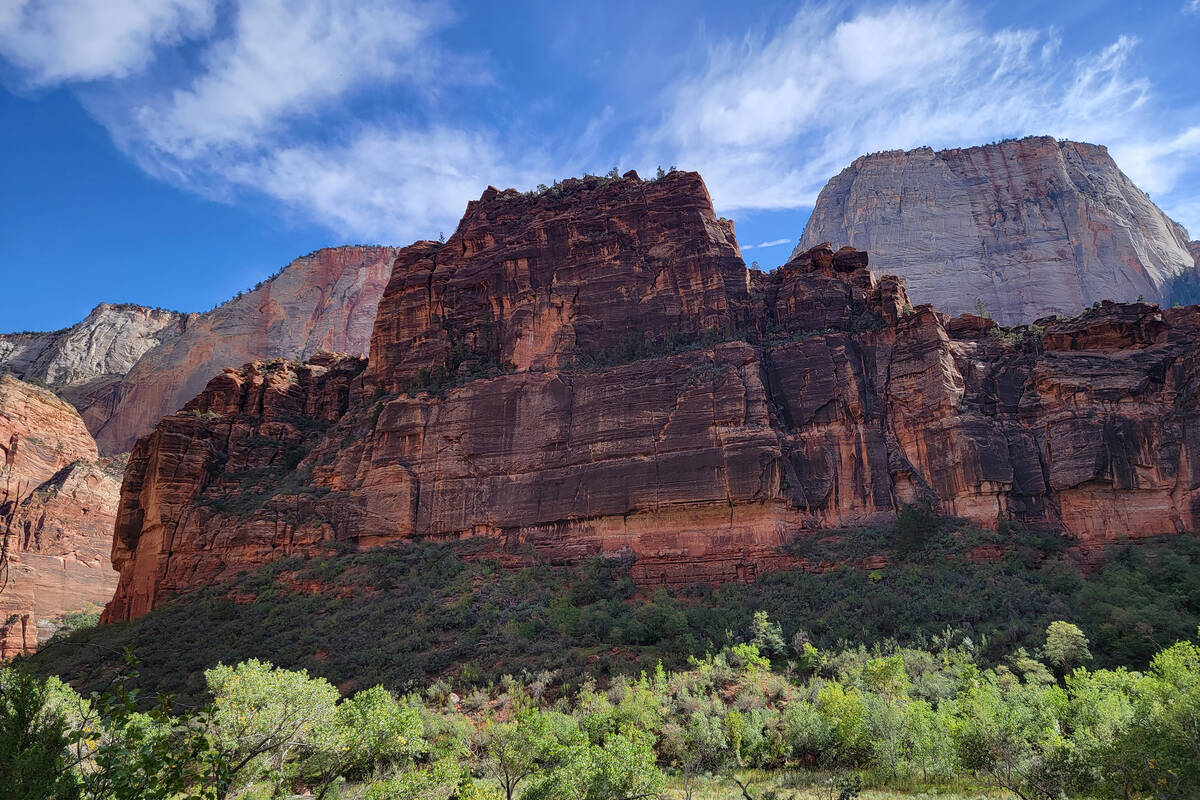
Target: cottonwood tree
622 767
57 745
528 747
261 715
367 733
1066 646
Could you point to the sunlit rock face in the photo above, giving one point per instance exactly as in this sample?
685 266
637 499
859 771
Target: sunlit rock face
58 501
1028 228
125 367
109 341
594 370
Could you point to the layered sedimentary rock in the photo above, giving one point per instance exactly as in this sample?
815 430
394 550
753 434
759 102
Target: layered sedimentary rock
58 501
594 370
323 301
125 367
529 283
1029 228
108 342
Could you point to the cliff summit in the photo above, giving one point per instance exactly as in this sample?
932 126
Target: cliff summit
594 370
1029 228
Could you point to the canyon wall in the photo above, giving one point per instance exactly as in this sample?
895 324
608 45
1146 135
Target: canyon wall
108 342
1030 228
125 367
58 501
594 370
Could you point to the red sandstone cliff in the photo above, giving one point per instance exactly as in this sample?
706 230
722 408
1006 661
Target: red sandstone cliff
528 283
57 506
1030 227
125 367
595 370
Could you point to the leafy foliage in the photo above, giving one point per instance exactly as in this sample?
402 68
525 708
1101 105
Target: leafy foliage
899 717
468 616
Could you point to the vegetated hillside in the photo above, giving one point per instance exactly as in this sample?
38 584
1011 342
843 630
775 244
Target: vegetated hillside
1030 227
411 613
593 370
752 721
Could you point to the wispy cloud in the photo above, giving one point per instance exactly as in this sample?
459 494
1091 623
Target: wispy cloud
277 97
771 117
84 40
285 59
263 106
772 243
385 181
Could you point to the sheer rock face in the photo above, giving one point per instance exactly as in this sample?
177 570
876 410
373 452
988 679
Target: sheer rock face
1031 227
124 374
57 506
829 401
528 283
108 342
324 301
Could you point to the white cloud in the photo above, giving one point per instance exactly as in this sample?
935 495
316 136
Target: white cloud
54 41
273 98
772 243
284 59
260 107
385 183
769 119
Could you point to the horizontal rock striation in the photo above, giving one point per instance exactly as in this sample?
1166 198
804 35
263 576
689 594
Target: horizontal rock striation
1029 228
529 283
58 501
594 370
125 367
323 301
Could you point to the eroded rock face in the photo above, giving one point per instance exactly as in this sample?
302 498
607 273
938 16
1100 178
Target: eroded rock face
1031 227
529 283
125 367
58 501
108 342
751 409
324 301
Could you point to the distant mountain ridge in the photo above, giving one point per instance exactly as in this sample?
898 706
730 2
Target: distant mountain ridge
1029 228
124 367
108 341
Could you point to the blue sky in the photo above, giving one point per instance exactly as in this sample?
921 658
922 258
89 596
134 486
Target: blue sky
170 153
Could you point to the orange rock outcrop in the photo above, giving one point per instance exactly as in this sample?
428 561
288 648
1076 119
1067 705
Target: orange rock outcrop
58 501
594 370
